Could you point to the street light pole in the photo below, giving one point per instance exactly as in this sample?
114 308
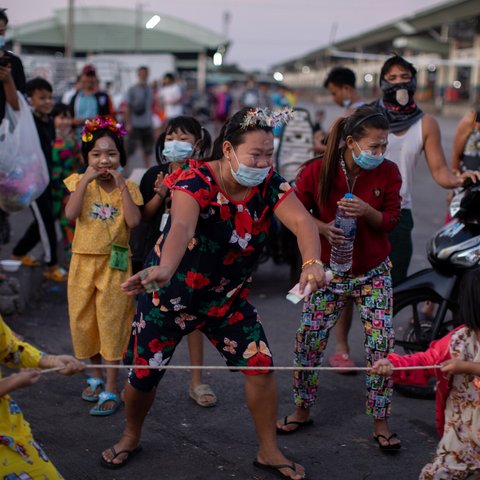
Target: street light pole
69 30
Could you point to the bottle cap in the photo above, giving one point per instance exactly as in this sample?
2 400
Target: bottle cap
348 195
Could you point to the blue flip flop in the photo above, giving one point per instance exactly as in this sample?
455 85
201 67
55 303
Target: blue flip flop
94 384
102 398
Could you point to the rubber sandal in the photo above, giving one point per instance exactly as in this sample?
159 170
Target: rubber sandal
130 455
203 390
57 275
342 360
104 397
27 260
275 469
299 425
94 384
389 447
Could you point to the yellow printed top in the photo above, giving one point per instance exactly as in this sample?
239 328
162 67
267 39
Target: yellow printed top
101 221
14 429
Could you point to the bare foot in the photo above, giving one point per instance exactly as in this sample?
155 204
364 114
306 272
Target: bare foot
126 444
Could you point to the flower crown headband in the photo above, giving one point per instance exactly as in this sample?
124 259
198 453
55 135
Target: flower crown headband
265 118
98 123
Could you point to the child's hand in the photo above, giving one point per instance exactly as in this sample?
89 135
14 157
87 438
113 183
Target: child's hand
91 174
25 377
70 365
118 177
382 367
159 187
457 367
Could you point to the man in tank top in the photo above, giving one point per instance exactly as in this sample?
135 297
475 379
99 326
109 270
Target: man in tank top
411 133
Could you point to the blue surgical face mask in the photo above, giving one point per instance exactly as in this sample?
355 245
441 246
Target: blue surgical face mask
2 41
177 151
249 176
367 160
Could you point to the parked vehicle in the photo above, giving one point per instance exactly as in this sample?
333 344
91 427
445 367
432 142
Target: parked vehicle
425 303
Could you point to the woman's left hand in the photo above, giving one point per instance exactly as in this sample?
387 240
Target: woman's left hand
314 276
354 207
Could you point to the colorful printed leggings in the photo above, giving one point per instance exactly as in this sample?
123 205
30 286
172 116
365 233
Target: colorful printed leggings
372 292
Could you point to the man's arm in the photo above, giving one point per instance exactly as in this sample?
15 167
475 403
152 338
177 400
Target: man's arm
432 145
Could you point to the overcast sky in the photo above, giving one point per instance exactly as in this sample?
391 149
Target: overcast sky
262 32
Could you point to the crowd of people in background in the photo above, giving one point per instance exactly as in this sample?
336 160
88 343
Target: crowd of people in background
196 225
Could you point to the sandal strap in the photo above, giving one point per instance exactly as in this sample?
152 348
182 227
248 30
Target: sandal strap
94 383
106 397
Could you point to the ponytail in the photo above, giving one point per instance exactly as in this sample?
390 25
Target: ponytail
330 160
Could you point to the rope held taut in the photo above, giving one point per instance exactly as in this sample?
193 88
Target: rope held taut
229 368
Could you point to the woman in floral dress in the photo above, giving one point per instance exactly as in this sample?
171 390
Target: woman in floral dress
202 266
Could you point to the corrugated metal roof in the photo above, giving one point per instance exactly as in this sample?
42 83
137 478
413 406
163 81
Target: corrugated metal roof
103 29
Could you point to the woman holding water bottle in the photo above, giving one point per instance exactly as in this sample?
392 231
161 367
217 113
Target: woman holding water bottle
352 192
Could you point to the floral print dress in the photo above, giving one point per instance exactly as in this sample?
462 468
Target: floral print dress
210 288
458 453
21 457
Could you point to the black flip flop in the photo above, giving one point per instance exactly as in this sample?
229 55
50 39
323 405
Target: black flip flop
389 447
130 455
299 425
275 469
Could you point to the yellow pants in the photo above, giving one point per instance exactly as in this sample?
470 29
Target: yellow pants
100 313
31 464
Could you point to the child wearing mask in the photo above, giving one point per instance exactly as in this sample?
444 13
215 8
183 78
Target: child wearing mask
183 143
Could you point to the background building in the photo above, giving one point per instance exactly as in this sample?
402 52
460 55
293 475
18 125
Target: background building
443 43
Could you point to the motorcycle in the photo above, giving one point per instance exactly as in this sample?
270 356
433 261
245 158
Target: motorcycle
425 304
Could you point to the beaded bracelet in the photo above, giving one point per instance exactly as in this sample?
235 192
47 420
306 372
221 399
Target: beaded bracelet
311 261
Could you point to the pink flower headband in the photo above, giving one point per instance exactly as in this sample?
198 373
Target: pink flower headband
98 123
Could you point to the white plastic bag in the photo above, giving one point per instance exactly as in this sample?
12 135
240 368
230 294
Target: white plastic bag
23 169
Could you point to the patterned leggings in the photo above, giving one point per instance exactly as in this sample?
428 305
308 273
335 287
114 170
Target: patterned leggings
372 292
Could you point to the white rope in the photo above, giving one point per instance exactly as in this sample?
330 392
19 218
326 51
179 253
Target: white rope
226 367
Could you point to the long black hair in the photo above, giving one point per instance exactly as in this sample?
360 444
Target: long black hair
189 125
469 300
356 125
233 131
104 132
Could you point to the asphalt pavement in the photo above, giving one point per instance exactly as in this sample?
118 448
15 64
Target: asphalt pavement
183 441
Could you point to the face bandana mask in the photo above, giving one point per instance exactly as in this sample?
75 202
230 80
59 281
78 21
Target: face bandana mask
367 160
2 41
249 176
399 95
176 151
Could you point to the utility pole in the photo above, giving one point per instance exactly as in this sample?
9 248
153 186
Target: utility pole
69 31
138 26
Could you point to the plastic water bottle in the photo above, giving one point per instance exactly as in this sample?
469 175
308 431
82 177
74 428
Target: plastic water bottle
341 255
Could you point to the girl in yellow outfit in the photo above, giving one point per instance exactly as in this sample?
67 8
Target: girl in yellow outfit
20 456
105 208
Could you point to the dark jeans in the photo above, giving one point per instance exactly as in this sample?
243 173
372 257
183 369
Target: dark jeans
402 246
42 228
